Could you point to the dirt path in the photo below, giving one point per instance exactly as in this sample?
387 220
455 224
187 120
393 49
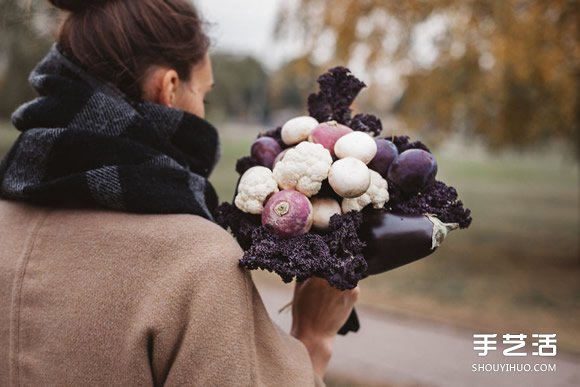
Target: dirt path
406 352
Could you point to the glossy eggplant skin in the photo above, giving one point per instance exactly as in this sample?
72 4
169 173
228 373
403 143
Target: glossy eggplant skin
394 240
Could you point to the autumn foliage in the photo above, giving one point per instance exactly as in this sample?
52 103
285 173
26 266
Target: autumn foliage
503 71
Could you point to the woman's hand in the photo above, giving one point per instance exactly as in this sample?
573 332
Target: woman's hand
318 312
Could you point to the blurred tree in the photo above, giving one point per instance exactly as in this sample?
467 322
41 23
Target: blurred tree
21 47
505 71
240 90
292 83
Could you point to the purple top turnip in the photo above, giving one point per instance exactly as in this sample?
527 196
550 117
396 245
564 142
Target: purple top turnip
327 133
413 170
289 213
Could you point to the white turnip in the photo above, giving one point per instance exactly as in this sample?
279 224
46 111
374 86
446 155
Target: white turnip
323 209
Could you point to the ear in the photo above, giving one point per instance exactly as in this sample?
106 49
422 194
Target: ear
160 86
169 83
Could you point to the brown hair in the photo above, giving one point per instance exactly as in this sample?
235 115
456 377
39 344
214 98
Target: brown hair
119 40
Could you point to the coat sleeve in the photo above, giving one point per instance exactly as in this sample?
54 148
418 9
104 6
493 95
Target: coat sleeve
213 328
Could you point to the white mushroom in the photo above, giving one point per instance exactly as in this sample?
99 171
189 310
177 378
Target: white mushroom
359 145
349 177
377 194
297 129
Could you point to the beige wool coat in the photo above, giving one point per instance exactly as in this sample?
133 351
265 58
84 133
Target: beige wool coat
99 298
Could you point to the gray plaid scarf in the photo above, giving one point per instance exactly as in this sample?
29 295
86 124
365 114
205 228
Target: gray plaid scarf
83 143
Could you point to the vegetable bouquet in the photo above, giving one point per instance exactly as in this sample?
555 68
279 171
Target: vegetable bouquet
324 195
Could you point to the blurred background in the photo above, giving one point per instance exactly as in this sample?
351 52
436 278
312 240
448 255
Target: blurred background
491 86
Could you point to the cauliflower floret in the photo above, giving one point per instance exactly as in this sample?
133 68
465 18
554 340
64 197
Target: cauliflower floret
377 194
303 168
255 186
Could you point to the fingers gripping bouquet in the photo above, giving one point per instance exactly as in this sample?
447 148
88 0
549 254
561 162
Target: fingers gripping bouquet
324 196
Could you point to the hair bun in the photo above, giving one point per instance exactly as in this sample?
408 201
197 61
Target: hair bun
75 5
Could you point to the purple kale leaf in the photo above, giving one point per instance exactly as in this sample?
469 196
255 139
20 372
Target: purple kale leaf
242 225
344 242
437 198
402 143
338 89
335 256
366 123
245 163
299 257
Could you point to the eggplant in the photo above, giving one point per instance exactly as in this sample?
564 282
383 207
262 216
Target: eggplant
394 240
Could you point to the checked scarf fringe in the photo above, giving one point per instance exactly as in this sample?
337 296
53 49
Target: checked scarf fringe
84 144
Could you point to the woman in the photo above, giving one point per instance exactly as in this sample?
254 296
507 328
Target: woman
111 270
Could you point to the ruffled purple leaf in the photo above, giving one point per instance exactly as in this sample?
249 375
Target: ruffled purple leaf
402 143
245 163
437 198
366 123
241 225
338 89
335 256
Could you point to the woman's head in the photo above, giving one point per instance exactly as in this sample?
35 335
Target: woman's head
149 49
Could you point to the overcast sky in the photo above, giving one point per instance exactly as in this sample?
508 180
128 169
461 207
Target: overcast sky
247 26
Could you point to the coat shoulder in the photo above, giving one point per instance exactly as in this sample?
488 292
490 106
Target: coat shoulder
181 236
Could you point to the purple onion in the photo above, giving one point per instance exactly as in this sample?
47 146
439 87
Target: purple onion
386 153
413 170
264 150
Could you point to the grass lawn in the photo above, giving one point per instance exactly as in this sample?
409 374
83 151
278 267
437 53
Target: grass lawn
515 270
7 137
